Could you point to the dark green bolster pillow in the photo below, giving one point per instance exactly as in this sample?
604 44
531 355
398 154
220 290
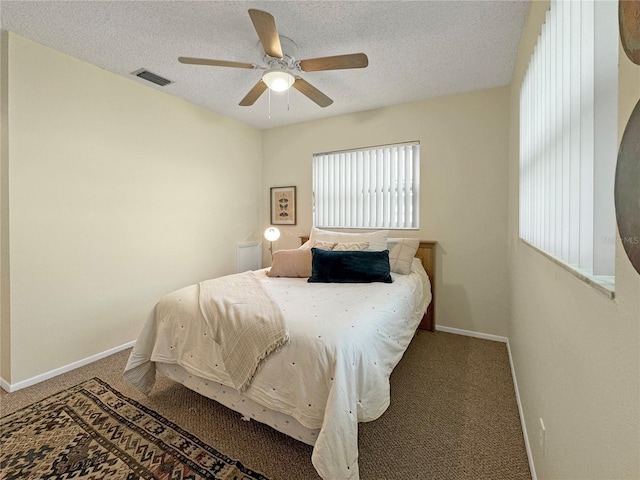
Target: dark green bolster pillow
349 266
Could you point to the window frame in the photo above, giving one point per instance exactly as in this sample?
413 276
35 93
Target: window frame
376 187
568 140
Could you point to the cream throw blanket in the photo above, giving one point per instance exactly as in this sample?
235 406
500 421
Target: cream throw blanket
244 321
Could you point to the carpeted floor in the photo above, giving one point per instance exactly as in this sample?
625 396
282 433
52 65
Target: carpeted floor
453 415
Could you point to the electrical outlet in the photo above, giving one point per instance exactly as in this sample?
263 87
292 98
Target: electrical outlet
542 436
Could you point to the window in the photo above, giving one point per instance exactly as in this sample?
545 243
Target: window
375 187
568 137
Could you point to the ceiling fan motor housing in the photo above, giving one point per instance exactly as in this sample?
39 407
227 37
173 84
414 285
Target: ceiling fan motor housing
289 54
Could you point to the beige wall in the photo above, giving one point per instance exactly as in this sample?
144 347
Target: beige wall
576 352
118 194
463 204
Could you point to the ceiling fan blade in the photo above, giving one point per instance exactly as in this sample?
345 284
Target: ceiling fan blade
338 62
253 95
214 63
312 92
265 26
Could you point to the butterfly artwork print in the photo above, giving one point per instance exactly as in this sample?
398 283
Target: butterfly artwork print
283 205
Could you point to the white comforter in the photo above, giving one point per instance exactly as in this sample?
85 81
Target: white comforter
344 341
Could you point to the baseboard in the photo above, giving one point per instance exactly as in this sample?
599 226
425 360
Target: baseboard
497 338
8 387
523 424
470 333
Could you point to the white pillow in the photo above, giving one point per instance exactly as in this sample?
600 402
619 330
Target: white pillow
401 253
377 240
356 246
309 244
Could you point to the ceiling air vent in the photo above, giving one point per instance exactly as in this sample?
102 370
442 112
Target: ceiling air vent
151 77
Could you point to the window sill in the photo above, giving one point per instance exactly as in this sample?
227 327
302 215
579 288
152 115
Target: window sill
602 283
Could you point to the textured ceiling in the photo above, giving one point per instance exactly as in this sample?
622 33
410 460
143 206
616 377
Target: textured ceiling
416 49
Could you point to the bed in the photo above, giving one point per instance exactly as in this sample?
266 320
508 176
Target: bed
343 341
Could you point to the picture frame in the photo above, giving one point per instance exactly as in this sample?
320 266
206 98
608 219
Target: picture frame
283 206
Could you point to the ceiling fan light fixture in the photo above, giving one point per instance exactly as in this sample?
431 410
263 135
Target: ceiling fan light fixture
278 80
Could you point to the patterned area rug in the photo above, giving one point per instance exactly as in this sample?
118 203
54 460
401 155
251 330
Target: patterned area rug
91 431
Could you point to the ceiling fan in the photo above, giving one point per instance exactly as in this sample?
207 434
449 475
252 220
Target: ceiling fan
280 67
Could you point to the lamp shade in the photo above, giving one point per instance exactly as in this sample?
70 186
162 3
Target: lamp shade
278 80
272 234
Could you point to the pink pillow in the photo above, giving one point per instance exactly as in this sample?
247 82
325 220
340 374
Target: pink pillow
291 263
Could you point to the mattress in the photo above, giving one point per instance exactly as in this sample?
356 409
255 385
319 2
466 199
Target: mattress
230 397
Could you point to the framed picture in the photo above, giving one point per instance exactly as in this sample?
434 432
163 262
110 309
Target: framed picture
283 205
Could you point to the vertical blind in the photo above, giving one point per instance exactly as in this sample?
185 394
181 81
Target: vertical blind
568 136
375 187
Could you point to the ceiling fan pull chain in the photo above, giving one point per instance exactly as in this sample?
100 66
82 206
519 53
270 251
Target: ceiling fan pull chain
269 104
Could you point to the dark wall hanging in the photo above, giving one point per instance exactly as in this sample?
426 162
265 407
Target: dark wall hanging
629 20
627 188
